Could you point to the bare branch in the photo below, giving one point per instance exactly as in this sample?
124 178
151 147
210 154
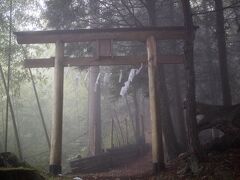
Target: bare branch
137 22
232 6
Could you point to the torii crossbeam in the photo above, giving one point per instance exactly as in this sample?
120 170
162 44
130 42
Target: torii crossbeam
104 37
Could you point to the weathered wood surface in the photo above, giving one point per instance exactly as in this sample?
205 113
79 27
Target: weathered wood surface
57 113
82 35
107 160
154 104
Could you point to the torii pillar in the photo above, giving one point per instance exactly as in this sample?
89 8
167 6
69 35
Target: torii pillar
154 104
57 113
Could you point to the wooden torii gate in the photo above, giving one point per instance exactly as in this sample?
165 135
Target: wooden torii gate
103 37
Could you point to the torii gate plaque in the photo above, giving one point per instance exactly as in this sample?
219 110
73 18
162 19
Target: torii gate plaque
149 35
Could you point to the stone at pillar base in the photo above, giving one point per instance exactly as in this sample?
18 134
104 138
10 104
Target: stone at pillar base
55 169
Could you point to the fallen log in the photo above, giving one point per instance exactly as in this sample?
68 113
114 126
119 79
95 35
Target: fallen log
107 160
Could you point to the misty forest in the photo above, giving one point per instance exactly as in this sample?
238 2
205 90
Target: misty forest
120 89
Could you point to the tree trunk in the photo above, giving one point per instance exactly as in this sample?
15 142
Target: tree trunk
179 108
151 12
192 131
94 100
168 130
137 117
130 115
94 113
180 120
212 69
222 53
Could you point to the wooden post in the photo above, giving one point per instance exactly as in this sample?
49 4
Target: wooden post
56 134
157 144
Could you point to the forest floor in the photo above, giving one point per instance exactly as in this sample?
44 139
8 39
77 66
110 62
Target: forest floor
224 165
217 165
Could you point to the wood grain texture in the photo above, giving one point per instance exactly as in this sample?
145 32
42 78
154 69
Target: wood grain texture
157 144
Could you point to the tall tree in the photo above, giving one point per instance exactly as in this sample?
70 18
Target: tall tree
192 130
10 58
176 85
94 94
137 116
94 112
222 52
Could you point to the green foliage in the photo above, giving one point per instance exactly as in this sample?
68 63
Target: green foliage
22 18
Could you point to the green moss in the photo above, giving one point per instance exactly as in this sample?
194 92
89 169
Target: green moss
20 173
